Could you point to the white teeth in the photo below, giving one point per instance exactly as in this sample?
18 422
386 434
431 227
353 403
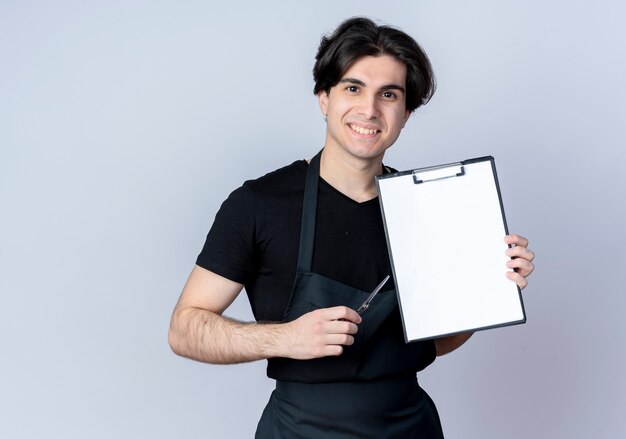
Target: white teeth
361 130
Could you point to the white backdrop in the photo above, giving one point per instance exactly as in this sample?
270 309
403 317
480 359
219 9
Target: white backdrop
123 126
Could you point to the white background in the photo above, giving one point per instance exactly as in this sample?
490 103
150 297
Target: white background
124 125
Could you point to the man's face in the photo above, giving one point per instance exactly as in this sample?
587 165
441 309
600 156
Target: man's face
366 110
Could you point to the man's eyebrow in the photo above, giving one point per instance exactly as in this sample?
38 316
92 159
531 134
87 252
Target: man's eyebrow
393 87
362 84
351 81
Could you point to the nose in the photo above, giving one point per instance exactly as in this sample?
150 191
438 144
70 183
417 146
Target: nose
368 107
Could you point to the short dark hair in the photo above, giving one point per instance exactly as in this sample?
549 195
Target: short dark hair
358 37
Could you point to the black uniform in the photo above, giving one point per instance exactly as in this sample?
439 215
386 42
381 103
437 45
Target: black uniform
371 389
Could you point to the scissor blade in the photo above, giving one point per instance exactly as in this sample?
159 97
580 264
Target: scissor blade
376 290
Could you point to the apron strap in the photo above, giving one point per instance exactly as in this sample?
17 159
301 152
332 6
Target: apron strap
309 215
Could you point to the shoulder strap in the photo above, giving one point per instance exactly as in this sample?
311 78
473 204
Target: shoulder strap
309 215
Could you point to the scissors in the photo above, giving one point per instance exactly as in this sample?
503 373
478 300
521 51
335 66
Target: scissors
366 304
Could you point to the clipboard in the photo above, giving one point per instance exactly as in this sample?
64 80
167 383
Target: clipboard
445 228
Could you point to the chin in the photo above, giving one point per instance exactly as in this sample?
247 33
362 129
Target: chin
367 153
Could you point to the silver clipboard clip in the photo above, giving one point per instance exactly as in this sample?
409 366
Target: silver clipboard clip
434 173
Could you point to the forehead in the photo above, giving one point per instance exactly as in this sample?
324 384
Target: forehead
377 70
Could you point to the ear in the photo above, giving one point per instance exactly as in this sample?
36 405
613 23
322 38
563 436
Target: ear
407 114
322 97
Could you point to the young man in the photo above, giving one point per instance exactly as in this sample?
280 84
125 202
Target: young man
307 242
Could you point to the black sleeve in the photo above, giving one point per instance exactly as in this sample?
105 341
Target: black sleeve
229 246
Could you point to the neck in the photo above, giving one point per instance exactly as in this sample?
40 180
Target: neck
352 176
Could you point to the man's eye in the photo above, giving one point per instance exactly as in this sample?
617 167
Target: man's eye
352 88
389 95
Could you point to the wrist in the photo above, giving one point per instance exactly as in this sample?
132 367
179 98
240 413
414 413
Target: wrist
274 340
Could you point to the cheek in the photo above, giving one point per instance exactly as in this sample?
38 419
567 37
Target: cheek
338 108
399 118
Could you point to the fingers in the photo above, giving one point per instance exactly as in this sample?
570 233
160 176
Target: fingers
331 351
342 313
521 252
338 335
321 332
333 346
521 266
518 279
339 339
522 258
341 327
325 326
514 239
339 320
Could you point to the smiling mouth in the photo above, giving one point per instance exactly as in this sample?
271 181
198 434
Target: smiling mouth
364 131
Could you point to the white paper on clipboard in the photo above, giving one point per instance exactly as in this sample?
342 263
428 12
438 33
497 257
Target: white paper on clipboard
445 227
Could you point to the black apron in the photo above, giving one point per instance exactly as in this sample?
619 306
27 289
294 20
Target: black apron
370 390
